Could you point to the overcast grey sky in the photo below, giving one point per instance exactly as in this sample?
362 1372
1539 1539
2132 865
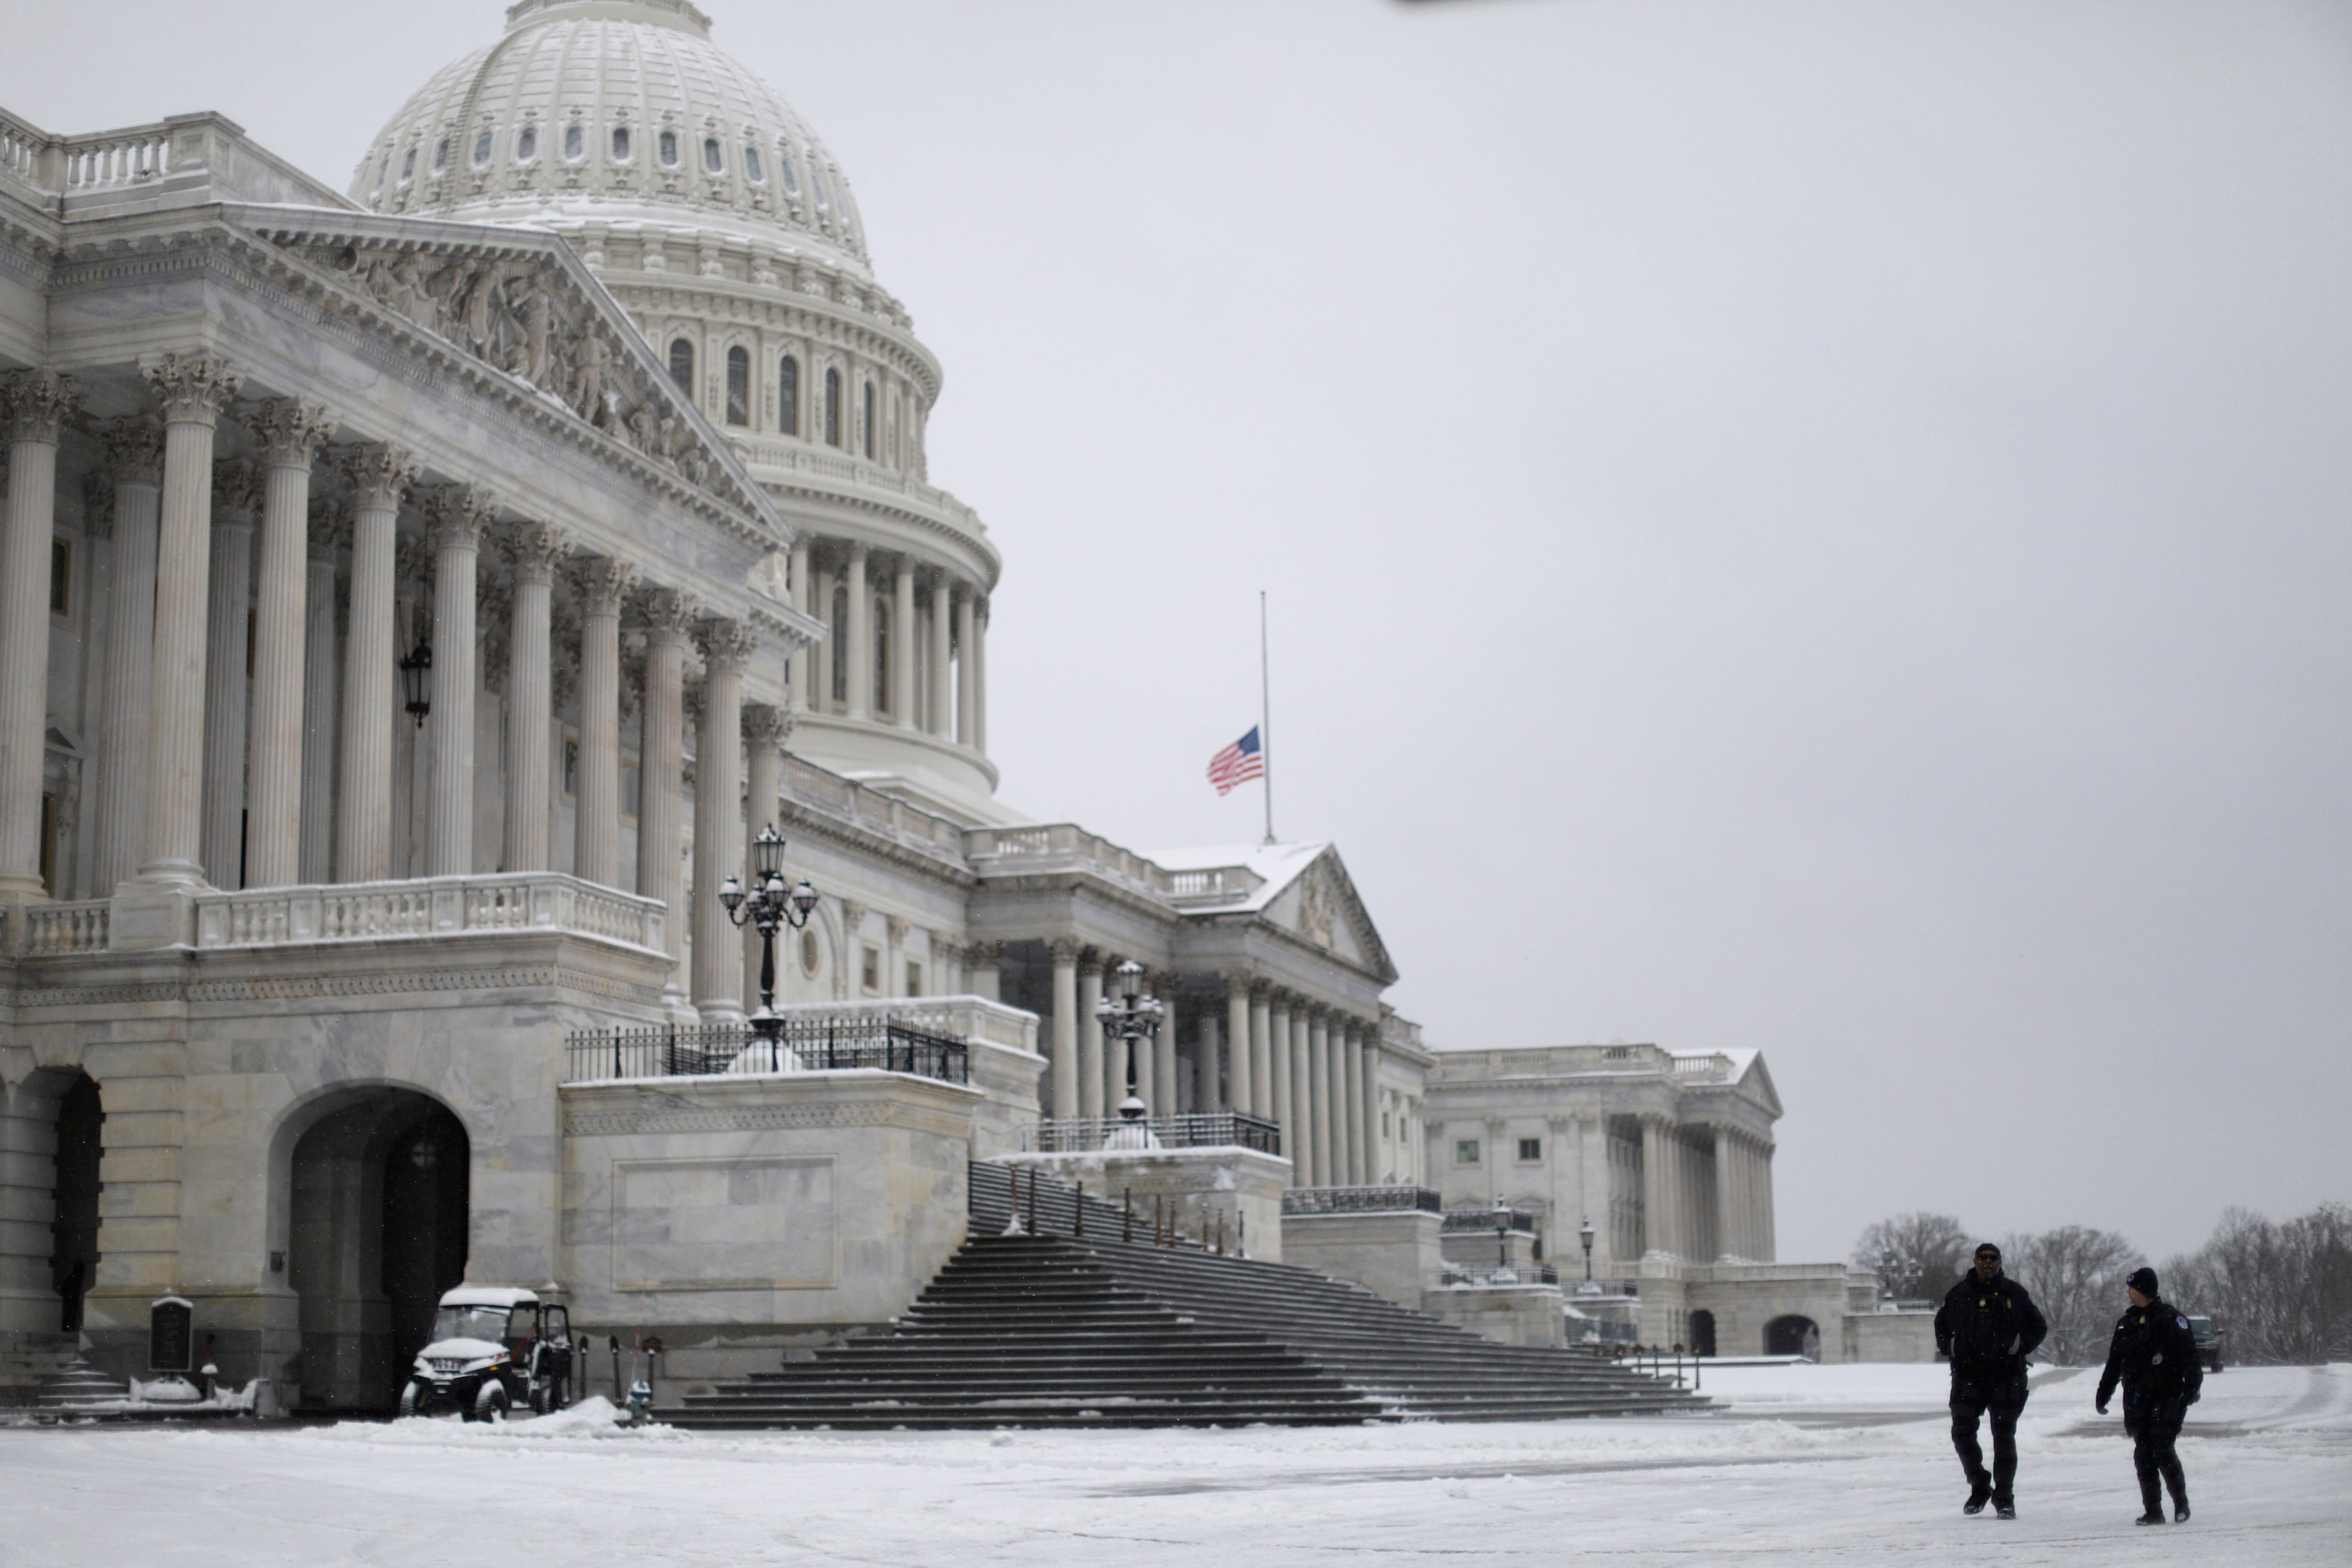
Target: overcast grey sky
1811 527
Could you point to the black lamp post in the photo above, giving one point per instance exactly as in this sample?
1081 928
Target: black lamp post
1584 1234
417 681
1130 1016
768 907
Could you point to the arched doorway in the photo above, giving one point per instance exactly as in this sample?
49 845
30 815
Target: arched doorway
1793 1335
1702 1332
50 1143
377 1231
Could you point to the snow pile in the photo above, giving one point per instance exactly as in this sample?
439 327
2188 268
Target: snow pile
594 1418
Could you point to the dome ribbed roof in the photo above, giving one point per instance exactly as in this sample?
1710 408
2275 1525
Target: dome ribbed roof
616 111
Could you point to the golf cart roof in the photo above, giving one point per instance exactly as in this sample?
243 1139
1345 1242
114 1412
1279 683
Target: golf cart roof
490 1296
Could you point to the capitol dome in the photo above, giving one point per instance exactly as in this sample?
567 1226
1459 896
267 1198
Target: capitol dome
619 111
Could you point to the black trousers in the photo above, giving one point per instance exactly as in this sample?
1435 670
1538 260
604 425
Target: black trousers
2004 1401
2152 1456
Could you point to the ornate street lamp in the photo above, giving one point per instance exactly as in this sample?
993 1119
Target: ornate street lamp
1584 1233
768 907
417 681
1130 1016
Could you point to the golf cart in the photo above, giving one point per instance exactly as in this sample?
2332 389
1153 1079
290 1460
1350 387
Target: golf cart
494 1347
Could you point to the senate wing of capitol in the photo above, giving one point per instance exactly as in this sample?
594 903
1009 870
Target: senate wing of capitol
418 602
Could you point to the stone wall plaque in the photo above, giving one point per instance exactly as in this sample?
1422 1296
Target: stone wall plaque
171 1334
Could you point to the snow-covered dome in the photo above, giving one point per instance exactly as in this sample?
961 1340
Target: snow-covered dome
613 112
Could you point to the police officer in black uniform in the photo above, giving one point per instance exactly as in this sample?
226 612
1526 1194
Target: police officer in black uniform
2155 1356
1987 1327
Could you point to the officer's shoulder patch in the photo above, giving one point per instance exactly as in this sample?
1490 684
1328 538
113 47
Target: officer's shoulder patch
2179 1319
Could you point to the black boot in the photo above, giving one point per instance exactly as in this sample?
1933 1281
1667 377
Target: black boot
2003 1507
2151 1502
2153 1516
1978 1492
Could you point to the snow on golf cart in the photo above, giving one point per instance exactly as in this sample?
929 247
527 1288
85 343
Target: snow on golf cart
494 1347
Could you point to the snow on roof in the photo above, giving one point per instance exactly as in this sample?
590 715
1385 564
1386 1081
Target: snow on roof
1278 864
490 1296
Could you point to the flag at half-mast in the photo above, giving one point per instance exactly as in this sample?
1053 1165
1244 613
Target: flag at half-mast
1238 764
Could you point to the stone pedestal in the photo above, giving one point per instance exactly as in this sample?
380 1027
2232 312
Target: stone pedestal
1394 1253
1508 1314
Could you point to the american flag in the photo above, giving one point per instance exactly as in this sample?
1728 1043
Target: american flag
1237 763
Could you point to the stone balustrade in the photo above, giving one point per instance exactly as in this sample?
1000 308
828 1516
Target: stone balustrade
970 1020
431 906
55 930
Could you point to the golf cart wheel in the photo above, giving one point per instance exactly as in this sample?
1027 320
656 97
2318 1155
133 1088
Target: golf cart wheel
410 1398
491 1402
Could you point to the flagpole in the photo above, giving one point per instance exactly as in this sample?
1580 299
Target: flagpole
1265 717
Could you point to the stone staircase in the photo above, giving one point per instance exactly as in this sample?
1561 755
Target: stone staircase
1063 1329
28 1360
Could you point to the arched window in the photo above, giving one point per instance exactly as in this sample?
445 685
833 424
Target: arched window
713 159
482 151
788 396
833 408
526 143
681 365
739 386
573 143
620 143
868 411
667 146
441 154
382 169
785 167
751 167
408 165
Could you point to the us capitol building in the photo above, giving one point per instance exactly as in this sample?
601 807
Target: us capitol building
412 601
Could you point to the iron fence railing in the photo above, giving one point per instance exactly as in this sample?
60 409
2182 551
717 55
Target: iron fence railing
1490 1219
1084 1134
799 1045
1360 1200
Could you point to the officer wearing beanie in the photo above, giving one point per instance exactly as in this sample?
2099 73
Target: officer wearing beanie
1986 1327
2155 1356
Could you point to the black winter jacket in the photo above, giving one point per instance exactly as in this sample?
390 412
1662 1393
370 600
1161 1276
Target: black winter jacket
1988 1328
2153 1355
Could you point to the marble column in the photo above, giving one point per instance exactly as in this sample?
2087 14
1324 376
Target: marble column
1302 1097
661 773
764 733
1297 1136
942 714
858 647
1727 1242
134 458
1207 1076
1090 1036
1320 1099
532 549
727 648
799 663
1768 1248
34 407
966 667
1592 1180
1262 1055
1162 1090
980 677
903 645
380 477
236 497
832 610
1238 1095
193 390
459 513
288 436
1657 1190
1065 1062
604 584
329 531
1355 1168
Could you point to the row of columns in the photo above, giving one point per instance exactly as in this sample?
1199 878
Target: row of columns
199 769
1704 1204
921 684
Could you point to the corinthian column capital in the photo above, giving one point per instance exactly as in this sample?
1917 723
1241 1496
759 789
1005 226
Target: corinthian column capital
331 527
380 477
237 492
134 451
668 614
458 513
35 405
726 644
192 388
533 549
604 583
766 726
289 434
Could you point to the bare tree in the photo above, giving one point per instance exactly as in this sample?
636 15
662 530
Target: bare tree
1917 1255
2283 1290
2075 1274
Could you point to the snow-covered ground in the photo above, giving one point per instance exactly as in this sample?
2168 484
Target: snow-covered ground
1805 1465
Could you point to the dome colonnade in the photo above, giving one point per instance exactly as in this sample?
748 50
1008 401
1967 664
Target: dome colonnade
715 215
